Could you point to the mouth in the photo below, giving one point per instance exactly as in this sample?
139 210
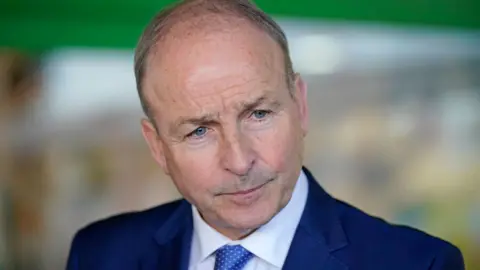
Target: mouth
247 196
247 191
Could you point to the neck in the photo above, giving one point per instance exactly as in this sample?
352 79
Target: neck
229 232
234 234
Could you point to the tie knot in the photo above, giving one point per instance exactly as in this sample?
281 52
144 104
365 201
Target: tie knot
231 257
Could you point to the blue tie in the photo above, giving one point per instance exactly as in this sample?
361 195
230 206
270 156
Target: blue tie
231 257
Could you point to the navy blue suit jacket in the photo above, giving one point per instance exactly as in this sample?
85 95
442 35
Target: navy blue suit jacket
331 235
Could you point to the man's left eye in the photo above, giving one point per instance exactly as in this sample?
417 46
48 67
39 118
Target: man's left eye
260 114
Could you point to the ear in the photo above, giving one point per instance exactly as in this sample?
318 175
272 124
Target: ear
301 99
154 143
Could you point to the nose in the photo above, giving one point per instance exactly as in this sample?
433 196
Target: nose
237 155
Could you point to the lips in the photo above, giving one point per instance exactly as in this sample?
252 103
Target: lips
248 196
244 192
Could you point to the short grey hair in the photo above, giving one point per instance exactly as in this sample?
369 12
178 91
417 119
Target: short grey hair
159 27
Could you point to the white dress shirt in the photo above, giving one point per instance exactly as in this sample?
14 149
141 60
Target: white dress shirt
269 243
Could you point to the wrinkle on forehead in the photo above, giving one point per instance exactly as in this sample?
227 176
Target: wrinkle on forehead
193 69
216 80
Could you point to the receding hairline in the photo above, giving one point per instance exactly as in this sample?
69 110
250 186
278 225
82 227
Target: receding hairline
194 27
187 31
201 15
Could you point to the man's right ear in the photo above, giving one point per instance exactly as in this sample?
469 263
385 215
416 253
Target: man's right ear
154 143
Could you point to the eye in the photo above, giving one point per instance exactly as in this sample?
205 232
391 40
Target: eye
260 114
198 132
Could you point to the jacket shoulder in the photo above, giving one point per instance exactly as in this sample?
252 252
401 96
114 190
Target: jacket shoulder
120 234
414 248
140 222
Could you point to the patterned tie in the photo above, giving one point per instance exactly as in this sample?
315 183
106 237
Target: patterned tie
231 257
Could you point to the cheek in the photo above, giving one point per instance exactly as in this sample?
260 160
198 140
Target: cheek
278 145
192 170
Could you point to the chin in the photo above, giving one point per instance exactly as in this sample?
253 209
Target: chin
252 222
250 219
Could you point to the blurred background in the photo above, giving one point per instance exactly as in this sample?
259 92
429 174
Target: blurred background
394 94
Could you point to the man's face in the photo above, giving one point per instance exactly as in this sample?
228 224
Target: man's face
230 132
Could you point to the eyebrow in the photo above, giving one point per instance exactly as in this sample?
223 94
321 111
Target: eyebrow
211 118
202 120
246 107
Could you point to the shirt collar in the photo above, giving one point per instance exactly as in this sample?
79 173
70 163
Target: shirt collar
270 242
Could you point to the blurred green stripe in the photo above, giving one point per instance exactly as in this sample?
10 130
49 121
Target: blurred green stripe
40 25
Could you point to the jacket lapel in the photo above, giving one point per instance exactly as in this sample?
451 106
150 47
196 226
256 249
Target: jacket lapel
319 233
170 247
318 236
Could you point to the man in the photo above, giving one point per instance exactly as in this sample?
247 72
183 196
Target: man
226 121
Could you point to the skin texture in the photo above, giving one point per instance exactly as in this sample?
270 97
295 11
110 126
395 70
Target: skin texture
227 123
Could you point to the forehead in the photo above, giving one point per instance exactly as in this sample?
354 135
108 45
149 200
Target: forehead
218 63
